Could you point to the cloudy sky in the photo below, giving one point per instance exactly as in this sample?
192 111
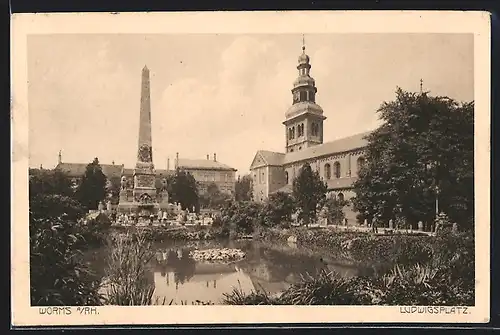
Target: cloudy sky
220 93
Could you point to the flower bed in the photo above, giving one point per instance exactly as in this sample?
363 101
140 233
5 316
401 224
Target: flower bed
217 255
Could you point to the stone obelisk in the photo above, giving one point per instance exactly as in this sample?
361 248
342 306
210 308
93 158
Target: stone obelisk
144 173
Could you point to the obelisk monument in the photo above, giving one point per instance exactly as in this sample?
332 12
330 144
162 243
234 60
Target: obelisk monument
144 191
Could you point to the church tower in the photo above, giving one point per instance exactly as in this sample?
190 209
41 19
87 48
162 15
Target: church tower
304 119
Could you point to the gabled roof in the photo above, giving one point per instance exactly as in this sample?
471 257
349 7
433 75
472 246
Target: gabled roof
78 169
341 145
72 169
109 170
203 164
267 158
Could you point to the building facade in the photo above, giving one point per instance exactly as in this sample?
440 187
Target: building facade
205 172
337 162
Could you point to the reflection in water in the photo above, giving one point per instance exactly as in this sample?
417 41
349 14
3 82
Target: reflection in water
273 268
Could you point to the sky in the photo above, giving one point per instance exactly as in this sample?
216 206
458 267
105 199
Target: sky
221 93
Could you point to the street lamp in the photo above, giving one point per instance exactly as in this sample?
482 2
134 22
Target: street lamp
434 166
437 199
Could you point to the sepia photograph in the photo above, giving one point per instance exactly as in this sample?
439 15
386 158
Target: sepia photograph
222 167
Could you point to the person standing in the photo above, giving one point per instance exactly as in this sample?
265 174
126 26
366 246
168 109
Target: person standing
375 224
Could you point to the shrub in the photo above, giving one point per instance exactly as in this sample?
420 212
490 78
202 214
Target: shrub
326 289
58 275
423 285
126 282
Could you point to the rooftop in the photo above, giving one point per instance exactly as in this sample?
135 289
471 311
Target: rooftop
203 164
115 170
341 145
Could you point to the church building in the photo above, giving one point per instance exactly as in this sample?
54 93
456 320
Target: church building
337 162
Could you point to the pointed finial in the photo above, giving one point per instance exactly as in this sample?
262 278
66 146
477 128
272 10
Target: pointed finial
421 84
303 43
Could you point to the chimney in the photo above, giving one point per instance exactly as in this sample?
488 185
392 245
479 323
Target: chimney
177 160
59 158
168 164
215 157
208 157
113 162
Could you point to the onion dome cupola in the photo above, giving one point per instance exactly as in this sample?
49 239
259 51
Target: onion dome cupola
304 119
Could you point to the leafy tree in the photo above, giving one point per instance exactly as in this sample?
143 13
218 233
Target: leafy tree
92 189
243 188
113 188
49 182
424 145
58 276
242 217
309 191
335 213
278 208
213 198
182 188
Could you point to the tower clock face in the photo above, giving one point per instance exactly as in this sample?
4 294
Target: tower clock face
145 153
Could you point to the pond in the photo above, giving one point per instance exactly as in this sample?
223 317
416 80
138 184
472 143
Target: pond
270 267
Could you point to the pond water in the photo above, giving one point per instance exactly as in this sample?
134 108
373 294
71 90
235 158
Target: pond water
270 267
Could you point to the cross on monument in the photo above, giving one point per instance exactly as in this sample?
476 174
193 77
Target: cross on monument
303 42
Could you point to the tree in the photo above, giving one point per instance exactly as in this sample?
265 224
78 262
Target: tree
213 198
49 182
309 191
113 188
58 276
335 213
182 189
423 149
92 189
243 188
278 208
242 217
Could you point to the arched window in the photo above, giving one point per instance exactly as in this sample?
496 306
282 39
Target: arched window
314 129
300 130
336 166
340 197
328 171
293 132
286 176
361 162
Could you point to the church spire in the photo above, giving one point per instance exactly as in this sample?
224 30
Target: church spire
304 119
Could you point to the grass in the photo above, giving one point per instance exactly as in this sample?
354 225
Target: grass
126 275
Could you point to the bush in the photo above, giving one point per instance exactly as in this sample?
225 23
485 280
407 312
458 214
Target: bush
415 285
126 280
58 275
